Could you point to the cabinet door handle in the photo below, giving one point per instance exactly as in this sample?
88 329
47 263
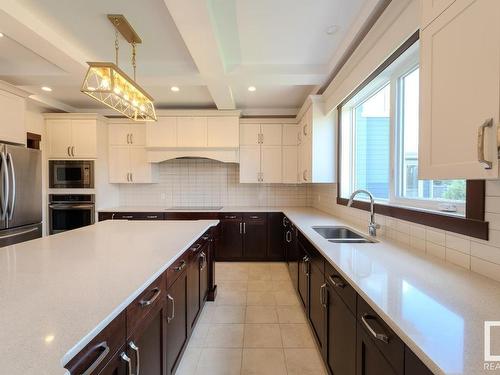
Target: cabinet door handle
131 177
304 175
284 221
336 281
135 348
203 259
152 217
128 177
126 358
131 138
322 295
181 267
196 247
170 318
288 236
73 151
304 130
254 217
230 217
379 336
206 237
241 228
244 228
480 144
127 217
146 302
98 361
69 150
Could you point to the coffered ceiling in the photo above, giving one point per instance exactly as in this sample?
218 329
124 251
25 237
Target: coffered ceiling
213 50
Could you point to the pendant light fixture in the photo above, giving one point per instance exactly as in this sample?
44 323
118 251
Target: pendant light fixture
108 84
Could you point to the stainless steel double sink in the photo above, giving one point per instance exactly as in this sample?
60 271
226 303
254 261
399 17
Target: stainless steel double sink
341 234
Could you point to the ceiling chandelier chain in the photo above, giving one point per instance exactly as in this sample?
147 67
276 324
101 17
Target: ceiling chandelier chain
108 84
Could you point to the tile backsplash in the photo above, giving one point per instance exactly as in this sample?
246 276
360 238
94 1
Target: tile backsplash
204 182
477 255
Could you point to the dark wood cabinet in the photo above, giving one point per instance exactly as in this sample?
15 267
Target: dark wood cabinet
340 328
230 246
193 290
130 216
254 236
145 346
203 267
413 365
303 277
275 238
292 252
118 365
176 318
317 304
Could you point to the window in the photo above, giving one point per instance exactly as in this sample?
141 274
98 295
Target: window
379 127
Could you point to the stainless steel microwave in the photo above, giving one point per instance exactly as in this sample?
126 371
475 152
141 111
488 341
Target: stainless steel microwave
71 174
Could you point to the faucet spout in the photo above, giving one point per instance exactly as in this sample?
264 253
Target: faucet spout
373 226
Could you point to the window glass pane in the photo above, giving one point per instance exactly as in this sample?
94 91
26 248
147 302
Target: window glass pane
372 144
411 187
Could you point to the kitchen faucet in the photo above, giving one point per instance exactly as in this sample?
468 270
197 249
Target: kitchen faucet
372 227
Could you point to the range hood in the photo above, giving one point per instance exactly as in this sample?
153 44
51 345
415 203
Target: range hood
228 155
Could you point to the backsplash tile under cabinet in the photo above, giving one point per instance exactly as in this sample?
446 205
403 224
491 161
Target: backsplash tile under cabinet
477 255
204 182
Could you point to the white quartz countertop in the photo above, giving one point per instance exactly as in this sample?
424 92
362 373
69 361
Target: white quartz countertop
58 292
437 309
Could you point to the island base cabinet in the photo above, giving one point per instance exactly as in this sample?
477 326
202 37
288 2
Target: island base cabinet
193 292
203 266
117 365
230 246
303 278
370 360
317 305
177 333
340 355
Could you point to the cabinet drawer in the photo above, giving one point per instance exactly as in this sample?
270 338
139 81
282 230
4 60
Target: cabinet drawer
191 215
255 216
98 352
389 344
144 304
137 216
231 216
175 270
341 286
315 256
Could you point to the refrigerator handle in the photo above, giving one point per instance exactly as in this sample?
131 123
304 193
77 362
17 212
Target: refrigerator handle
5 187
10 164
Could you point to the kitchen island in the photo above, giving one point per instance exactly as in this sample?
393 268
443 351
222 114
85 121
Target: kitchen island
57 293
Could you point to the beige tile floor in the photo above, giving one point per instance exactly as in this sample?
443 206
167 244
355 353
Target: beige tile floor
256 326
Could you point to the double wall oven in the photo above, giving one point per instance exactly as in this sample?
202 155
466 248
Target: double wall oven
70 211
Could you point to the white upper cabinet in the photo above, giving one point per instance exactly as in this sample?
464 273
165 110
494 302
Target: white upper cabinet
223 132
192 132
249 134
12 127
271 134
290 134
250 164
290 166
271 167
162 133
317 143
460 92
431 9
70 138
122 134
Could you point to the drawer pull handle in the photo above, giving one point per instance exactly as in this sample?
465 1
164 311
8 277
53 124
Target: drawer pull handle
196 247
127 217
379 336
126 358
181 267
156 293
98 361
203 259
135 348
170 318
337 281
480 144
322 296
254 217
152 217
204 238
230 217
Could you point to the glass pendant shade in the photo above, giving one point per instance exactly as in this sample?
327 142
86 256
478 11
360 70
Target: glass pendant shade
106 83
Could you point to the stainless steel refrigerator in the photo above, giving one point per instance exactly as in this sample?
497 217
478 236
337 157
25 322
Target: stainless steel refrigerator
20 194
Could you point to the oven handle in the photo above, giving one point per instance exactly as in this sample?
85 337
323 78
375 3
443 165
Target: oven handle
69 206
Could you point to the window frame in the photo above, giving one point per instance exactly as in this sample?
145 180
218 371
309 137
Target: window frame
472 224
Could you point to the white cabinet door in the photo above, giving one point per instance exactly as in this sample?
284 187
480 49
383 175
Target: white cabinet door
290 167
249 164
192 132
12 126
59 138
290 134
119 134
119 164
84 138
271 164
138 134
249 134
271 134
223 132
140 168
431 9
162 133
460 90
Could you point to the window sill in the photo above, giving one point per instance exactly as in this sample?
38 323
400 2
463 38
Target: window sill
451 222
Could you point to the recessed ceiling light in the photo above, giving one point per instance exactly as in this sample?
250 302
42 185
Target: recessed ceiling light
46 88
332 29
174 88
1 35
251 88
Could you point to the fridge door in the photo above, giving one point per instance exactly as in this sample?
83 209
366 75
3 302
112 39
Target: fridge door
20 234
24 171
